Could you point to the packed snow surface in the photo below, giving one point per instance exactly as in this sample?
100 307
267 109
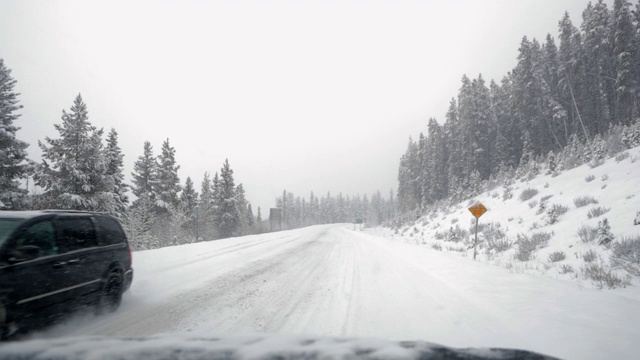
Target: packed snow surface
333 281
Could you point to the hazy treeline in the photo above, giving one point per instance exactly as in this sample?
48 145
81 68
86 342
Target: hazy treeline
577 93
299 211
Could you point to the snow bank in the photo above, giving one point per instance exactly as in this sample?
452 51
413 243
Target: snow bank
244 347
583 197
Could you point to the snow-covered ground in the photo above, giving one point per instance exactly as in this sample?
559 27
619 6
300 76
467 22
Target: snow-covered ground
326 281
612 188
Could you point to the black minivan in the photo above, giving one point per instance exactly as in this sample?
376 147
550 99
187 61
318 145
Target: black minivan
53 262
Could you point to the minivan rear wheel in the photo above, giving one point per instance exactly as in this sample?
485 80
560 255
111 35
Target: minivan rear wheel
111 295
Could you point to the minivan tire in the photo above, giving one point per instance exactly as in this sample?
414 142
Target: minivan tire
111 294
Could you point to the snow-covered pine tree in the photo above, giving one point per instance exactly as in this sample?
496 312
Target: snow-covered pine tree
598 149
250 217
631 135
241 206
13 154
482 129
145 173
556 115
475 183
551 163
204 210
599 89
206 196
408 187
604 232
453 141
466 128
507 138
626 61
138 223
168 185
227 215
189 197
115 174
570 70
527 155
73 168
216 204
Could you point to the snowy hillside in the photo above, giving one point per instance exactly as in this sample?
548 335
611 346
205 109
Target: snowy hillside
552 224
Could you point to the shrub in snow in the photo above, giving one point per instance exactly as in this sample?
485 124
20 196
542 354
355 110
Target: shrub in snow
507 194
566 269
525 248
542 208
499 244
587 234
440 236
554 212
594 163
581 201
527 245
590 178
605 177
456 249
541 238
601 277
621 156
557 256
527 194
436 246
454 220
589 256
597 211
533 204
625 254
456 234
637 219
545 198
495 239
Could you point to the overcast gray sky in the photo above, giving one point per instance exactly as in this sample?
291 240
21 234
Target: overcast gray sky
298 95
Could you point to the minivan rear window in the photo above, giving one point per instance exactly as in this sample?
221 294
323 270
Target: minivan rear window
109 231
6 228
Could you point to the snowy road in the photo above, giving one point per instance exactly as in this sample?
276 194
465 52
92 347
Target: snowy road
331 280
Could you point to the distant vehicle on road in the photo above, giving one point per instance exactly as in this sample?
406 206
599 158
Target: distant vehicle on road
54 262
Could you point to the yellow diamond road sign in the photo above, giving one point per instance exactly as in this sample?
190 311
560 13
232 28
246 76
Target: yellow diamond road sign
478 209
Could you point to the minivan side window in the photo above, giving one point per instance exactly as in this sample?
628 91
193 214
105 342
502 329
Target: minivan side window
42 235
109 231
76 233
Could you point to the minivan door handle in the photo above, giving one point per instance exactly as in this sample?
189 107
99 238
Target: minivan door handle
74 261
59 264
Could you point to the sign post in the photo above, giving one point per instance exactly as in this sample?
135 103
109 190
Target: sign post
477 210
358 222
